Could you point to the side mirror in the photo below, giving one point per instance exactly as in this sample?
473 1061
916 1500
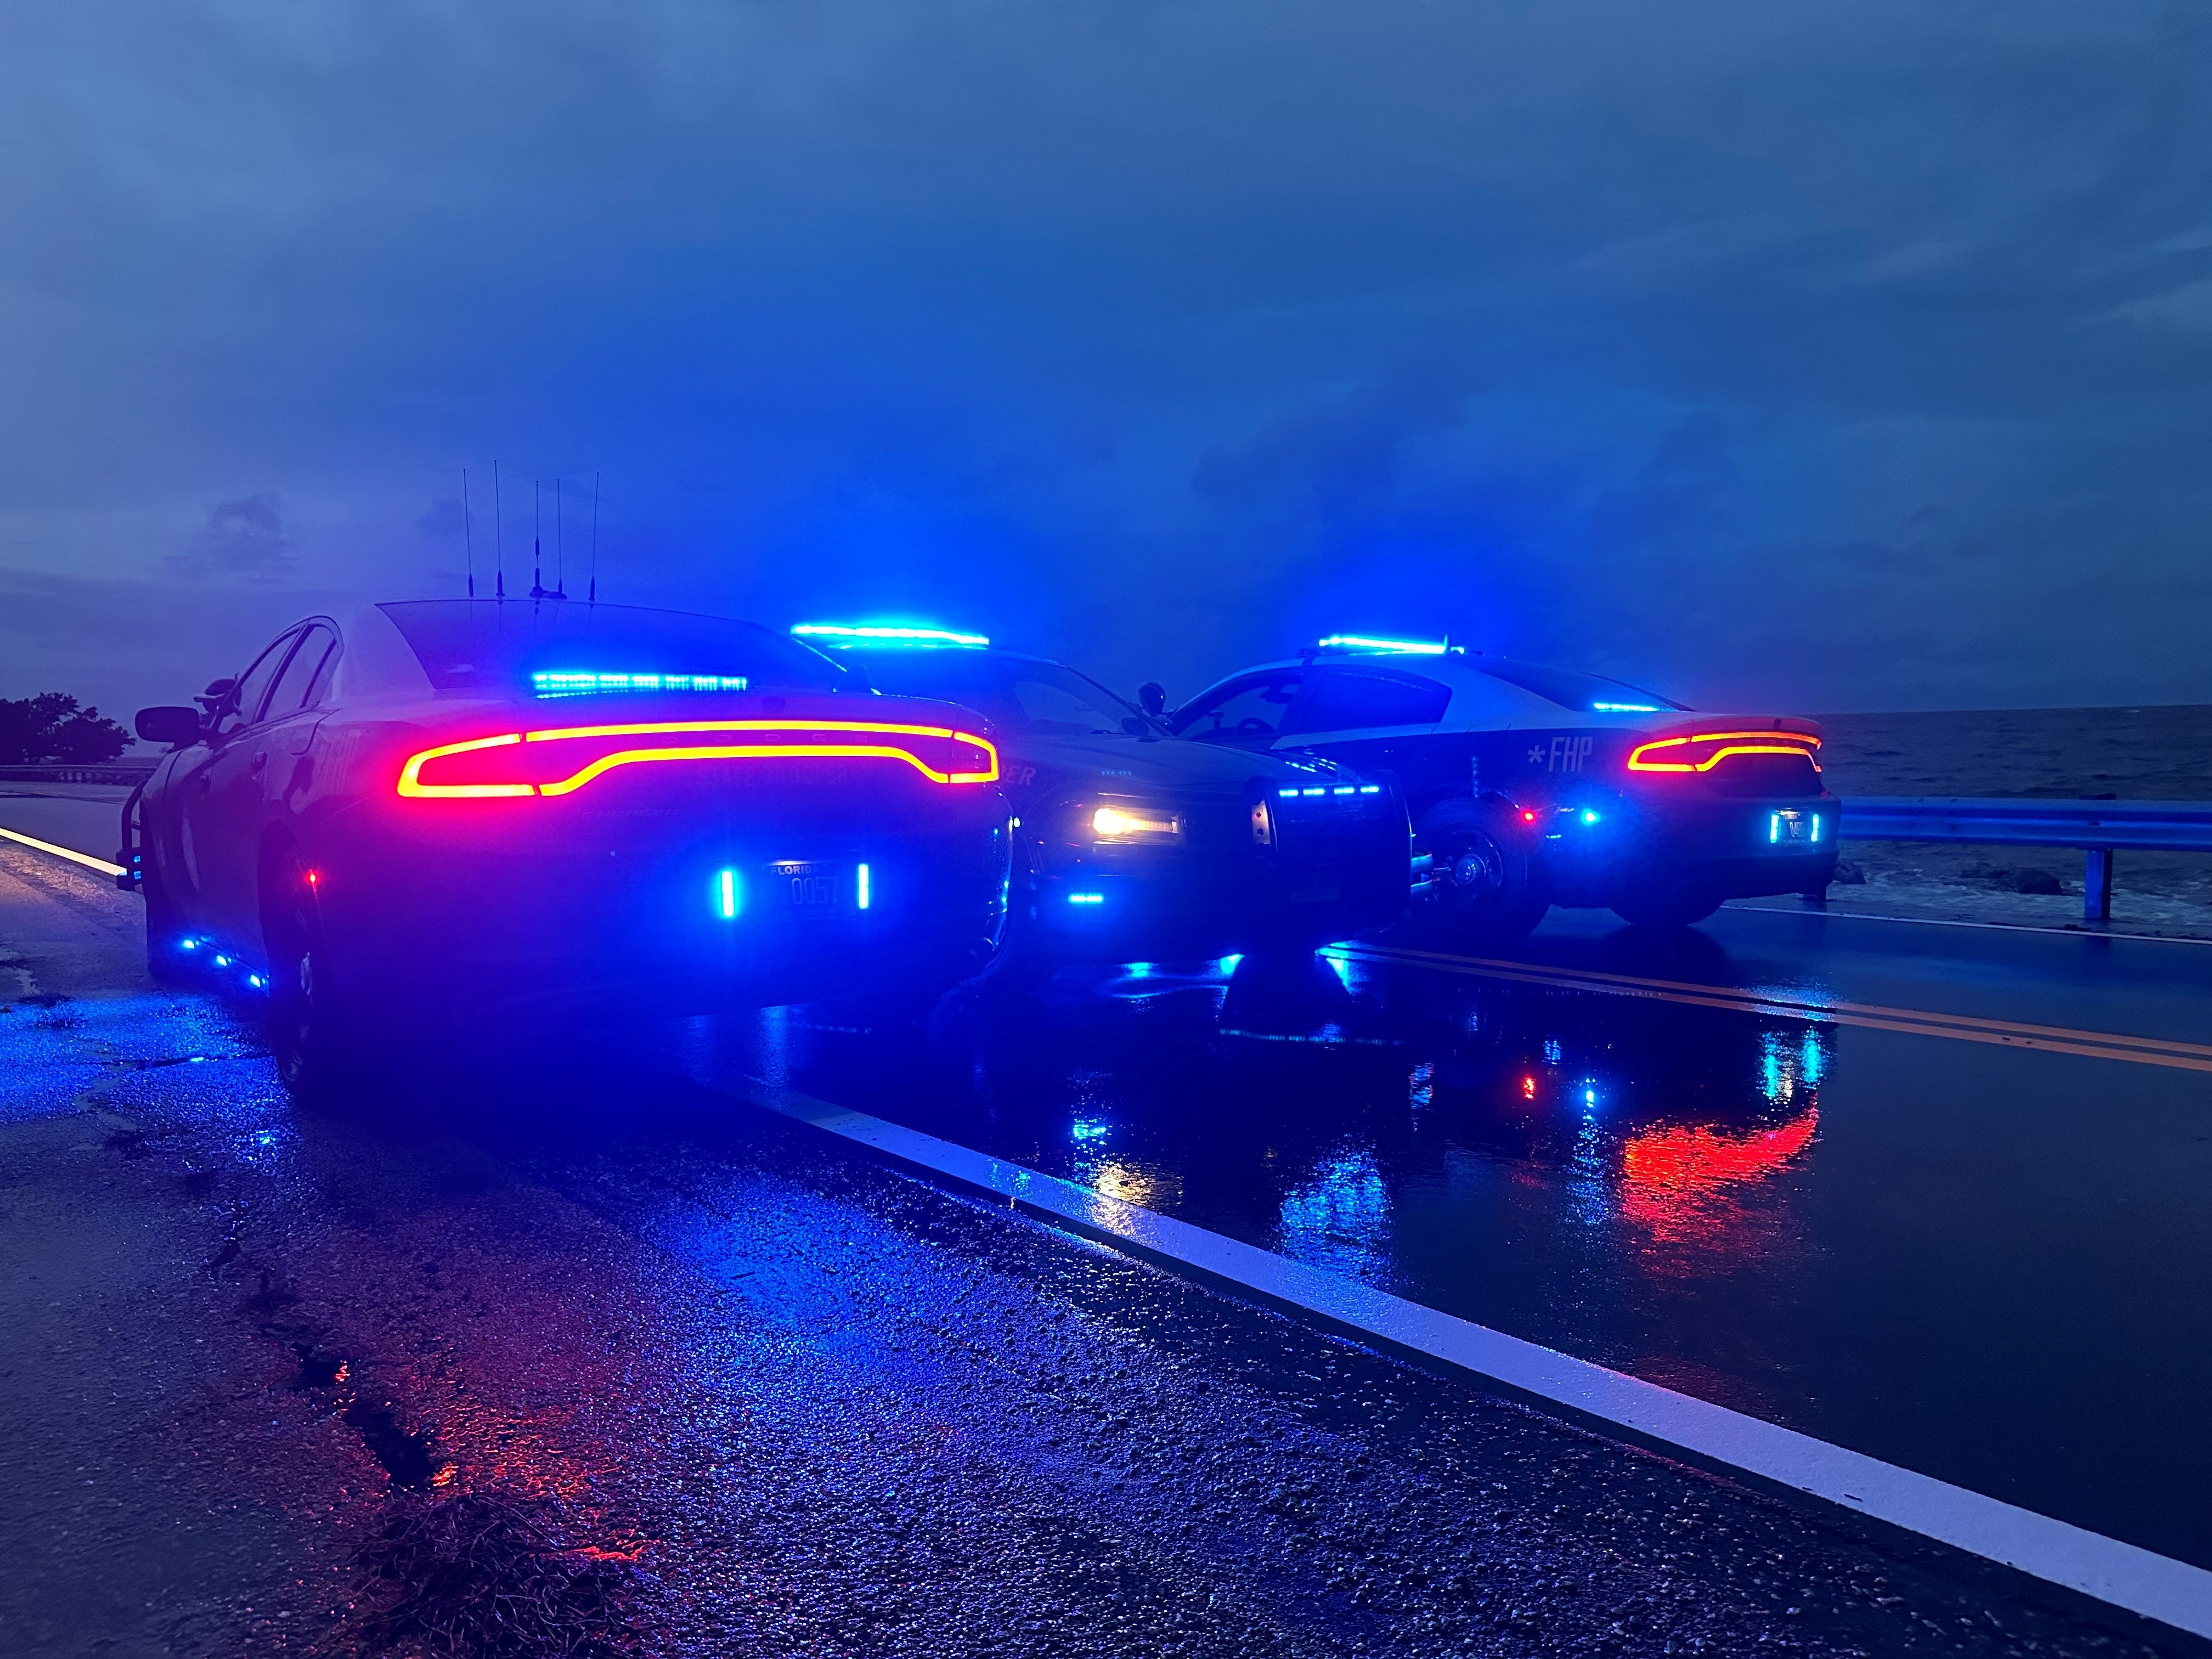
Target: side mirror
1152 698
169 724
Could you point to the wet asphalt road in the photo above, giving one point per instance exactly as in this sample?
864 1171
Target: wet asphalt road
823 1409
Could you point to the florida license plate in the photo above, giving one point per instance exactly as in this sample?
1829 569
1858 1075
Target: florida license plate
1791 828
816 889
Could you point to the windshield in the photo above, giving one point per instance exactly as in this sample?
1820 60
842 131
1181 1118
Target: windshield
1571 691
1020 695
560 648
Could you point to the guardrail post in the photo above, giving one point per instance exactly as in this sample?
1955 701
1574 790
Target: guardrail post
2097 885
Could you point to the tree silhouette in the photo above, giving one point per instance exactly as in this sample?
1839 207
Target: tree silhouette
52 727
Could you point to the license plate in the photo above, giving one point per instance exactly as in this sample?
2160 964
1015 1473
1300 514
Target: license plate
816 888
1791 828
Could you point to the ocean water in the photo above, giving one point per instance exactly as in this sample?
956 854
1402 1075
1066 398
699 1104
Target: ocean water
2152 753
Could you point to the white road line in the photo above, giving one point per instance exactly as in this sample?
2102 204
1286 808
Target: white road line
70 853
2120 1574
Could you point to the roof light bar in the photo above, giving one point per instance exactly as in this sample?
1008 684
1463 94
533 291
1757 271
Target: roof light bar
1403 647
578 684
844 635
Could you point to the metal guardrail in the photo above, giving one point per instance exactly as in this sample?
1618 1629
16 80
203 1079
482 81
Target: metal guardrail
2098 828
125 772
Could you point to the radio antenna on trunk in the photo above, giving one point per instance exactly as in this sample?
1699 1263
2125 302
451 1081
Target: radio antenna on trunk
498 533
468 536
537 540
559 544
594 598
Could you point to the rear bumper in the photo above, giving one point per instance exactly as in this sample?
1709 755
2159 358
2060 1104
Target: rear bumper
663 932
1729 847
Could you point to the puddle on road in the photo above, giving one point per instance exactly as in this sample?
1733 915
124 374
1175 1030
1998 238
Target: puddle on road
1872 1236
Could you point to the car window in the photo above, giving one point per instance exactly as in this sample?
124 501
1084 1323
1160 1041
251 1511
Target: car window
1361 699
1573 691
1246 711
1020 695
565 649
246 696
294 686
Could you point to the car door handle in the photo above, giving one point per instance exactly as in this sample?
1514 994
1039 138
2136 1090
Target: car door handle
260 760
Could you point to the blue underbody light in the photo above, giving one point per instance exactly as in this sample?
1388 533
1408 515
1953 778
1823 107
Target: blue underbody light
1364 642
1313 792
862 893
222 961
1346 789
188 944
1228 964
1627 708
1370 788
1288 794
1773 827
728 894
1589 817
256 981
841 633
567 683
1816 827
1086 898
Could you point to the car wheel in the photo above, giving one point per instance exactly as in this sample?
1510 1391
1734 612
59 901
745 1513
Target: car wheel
1482 879
1670 907
308 1034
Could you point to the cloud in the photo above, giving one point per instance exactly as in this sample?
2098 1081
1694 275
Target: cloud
1154 335
244 540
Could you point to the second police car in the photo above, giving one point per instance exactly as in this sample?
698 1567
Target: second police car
1130 845
1531 787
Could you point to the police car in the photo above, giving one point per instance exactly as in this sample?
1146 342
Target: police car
432 818
1531 787
1133 846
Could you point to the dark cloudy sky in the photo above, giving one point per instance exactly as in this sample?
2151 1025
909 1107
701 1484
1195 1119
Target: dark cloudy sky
1815 355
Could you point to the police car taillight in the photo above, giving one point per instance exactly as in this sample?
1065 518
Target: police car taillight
1703 751
560 761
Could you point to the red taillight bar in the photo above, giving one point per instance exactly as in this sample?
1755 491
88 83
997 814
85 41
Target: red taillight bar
410 774
1640 758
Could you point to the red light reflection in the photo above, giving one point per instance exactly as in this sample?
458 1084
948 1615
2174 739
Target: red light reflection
1677 1181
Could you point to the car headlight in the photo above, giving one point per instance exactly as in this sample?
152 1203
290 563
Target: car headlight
1135 823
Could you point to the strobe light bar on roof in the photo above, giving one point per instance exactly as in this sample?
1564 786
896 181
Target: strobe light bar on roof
565 683
1399 647
845 636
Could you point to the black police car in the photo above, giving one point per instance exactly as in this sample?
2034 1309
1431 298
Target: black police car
1131 846
446 817
1531 787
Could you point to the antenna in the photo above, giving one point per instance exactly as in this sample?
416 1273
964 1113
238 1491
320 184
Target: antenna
498 532
537 542
468 537
560 546
594 599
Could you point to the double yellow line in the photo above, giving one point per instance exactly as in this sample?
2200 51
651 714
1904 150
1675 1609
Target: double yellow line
1917 1021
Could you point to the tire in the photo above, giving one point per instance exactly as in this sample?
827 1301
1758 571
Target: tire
308 1032
1669 907
165 963
1484 881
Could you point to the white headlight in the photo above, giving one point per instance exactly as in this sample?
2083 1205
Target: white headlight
1135 823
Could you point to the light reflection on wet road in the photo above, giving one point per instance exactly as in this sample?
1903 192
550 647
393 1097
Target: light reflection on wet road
1988 1265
